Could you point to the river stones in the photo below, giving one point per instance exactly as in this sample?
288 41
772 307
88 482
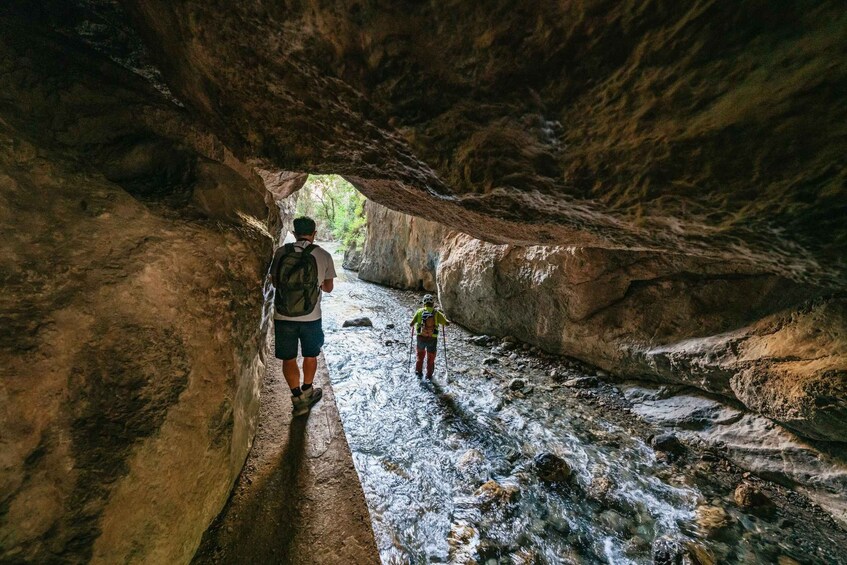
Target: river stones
581 382
363 322
491 493
673 551
712 520
481 340
517 384
667 443
470 461
601 487
552 469
748 496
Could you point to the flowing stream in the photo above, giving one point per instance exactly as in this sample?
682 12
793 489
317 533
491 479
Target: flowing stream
426 451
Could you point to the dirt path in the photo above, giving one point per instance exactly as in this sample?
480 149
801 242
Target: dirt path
298 499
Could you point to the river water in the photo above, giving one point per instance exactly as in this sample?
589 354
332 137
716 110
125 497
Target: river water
424 451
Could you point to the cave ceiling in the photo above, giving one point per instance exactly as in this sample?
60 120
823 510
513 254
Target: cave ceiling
716 129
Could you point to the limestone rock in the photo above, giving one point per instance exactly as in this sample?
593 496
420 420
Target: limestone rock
672 551
470 460
362 322
712 520
552 469
517 384
409 257
581 382
481 340
492 492
352 258
560 136
667 443
687 411
748 496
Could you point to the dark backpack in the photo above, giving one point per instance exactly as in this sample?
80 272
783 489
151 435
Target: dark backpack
427 328
295 278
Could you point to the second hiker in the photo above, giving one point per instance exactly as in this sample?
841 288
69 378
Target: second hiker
301 271
425 324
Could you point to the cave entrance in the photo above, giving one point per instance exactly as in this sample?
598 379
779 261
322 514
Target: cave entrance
338 209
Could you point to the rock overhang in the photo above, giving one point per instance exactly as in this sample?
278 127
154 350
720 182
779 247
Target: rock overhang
711 131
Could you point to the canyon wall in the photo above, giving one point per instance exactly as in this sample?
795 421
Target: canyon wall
144 145
777 346
133 254
400 250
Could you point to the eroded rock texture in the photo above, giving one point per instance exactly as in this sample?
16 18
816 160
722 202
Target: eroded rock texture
401 250
132 260
703 142
777 346
710 129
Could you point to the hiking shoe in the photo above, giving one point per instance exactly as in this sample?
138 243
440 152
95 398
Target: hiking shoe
303 403
419 375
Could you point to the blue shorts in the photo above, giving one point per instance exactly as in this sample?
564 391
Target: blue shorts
428 343
288 333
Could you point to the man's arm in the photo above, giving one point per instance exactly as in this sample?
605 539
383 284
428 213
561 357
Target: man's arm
329 274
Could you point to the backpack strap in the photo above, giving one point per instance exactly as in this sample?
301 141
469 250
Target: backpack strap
280 253
309 248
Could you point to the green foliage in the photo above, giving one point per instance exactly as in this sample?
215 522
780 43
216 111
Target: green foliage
337 208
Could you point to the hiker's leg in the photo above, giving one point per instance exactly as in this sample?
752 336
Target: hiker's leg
311 341
310 367
291 372
419 361
430 362
285 348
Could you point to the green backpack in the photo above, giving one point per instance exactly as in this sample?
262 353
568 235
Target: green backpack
295 280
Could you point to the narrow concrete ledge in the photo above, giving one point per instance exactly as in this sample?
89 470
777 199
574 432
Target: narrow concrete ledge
298 499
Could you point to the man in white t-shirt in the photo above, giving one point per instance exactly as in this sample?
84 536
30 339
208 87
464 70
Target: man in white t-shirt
305 330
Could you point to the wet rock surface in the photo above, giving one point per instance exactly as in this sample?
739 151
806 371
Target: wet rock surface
552 469
750 440
450 473
361 322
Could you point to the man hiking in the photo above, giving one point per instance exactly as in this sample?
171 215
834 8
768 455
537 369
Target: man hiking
425 324
301 272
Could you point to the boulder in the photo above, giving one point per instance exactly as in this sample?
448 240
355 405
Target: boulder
491 493
676 551
667 443
748 496
712 520
352 258
362 322
517 384
581 382
552 469
481 340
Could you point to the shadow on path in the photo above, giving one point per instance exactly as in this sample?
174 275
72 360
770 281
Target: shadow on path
298 499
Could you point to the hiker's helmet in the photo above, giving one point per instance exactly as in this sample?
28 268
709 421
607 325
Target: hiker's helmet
428 299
